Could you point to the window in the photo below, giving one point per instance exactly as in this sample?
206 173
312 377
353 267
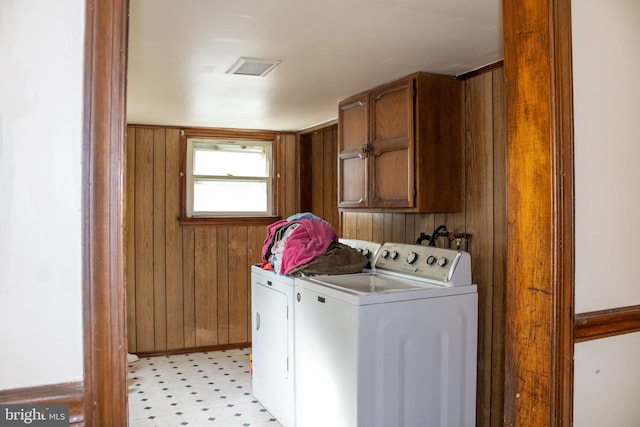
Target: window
229 178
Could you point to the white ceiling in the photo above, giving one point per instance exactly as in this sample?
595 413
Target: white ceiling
180 52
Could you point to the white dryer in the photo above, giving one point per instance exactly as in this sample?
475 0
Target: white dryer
393 347
272 343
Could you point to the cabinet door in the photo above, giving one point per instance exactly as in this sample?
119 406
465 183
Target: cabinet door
391 160
353 143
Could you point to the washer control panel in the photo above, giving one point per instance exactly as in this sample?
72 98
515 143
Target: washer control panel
365 247
451 267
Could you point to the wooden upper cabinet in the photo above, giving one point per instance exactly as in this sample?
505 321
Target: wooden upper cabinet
400 147
353 143
391 152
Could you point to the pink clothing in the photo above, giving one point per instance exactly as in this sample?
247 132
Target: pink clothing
309 239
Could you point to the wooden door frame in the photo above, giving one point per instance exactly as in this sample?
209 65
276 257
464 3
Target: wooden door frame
540 232
539 341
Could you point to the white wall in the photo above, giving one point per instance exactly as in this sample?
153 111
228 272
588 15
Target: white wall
41 65
606 60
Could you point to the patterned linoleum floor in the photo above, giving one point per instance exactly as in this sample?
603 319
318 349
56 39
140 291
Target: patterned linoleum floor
197 389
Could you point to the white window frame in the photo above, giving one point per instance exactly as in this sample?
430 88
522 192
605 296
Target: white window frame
195 142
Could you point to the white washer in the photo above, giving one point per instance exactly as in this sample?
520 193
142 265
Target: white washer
393 347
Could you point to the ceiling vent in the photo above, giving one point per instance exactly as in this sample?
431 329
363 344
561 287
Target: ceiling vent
253 67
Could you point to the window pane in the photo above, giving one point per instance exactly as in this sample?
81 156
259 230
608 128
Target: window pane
230 196
234 160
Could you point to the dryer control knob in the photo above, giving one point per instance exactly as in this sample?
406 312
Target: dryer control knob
431 260
394 254
442 261
384 253
412 257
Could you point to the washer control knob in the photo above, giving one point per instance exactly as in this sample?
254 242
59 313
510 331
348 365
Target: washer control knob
442 261
431 260
412 257
393 254
366 252
384 253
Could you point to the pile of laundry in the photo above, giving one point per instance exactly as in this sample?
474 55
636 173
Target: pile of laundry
305 244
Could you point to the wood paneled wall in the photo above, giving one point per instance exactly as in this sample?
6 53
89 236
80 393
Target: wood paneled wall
188 286
318 173
484 218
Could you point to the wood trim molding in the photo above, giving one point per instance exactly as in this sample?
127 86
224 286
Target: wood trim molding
53 394
540 267
486 69
606 323
105 346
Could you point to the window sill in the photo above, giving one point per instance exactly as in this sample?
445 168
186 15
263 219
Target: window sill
235 220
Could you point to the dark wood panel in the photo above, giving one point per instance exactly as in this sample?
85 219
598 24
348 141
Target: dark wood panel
317 174
129 239
499 282
329 183
144 240
479 210
173 239
159 243
239 286
223 285
206 286
606 323
188 283
290 191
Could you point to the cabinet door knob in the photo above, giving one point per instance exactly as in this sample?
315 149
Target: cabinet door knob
364 151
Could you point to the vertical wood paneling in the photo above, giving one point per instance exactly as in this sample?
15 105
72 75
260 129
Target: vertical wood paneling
349 224
329 183
287 175
159 241
377 227
398 230
173 238
499 248
479 204
206 286
223 285
364 226
318 165
292 190
144 240
129 239
187 287
387 227
317 174
188 281
239 285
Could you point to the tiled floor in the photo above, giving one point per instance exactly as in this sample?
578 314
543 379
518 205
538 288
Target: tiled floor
197 389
